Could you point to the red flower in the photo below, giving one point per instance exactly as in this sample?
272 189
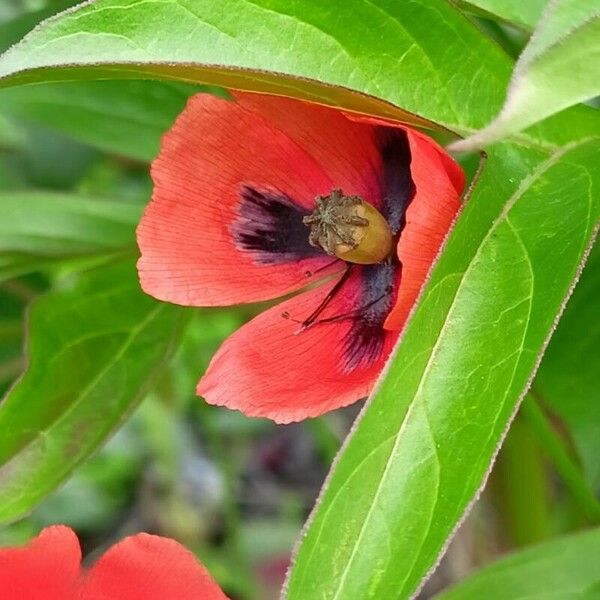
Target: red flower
141 567
235 185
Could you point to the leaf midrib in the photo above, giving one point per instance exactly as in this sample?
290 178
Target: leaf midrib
523 187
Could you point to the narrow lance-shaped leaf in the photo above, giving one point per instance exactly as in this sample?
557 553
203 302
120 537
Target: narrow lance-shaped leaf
378 53
422 449
94 347
17 18
564 569
386 49
558 68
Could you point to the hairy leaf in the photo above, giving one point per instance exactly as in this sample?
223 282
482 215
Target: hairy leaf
557 69
423 447
384 49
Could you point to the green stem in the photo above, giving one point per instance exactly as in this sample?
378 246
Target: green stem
521 487
566 467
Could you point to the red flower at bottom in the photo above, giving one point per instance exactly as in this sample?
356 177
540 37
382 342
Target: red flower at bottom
264 196
141 567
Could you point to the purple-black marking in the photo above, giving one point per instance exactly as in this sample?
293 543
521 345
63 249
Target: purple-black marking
364 341
269 225
397 186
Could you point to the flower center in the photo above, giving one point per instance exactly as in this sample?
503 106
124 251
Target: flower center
349 228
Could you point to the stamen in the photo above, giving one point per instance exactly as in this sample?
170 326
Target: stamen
313 319
358 312
329 297
309 274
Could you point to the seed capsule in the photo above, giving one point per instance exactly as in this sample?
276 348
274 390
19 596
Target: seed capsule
349 228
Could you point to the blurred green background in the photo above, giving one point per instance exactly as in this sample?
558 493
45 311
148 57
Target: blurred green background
234 490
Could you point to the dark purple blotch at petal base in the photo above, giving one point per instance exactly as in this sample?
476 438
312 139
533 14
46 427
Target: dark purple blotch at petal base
364 341
396 183
269 226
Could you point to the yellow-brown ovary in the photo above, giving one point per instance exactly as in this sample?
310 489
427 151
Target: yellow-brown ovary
374 242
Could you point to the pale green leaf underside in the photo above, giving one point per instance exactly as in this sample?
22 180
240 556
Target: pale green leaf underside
557 69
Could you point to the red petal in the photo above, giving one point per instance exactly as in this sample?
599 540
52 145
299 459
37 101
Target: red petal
46 569
428 220
343 148
148 567
452 168
298 149
268 369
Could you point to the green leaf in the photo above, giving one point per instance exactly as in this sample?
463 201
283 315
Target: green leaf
382 48
558 68
17 18
94 348
523 14
475 338
126 118
564 569
569 377
422 449
37 229
378 53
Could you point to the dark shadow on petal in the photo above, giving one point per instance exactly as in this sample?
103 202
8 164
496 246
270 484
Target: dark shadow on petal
269 226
